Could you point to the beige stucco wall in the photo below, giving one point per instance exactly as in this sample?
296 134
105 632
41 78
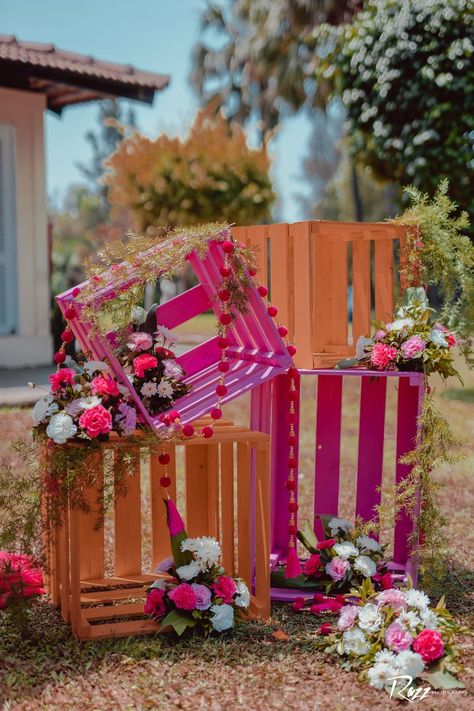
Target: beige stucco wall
31 345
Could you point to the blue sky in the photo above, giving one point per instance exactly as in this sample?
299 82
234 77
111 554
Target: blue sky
156 35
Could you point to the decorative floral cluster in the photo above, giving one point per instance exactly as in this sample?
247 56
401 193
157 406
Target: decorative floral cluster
410 342
390 634
85 403
20 578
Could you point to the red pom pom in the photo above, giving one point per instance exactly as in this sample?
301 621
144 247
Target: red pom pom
173 415
293 372
272 311
221 390
165 481
253 271
224 294
228 246
283 331
165 419
293 396
293 507
291 349
292 530
225 319
76 291
292 440
290 485
292 463
188 430
216 413
225 271
164 458
292 418
262 290
207 432
223 342
70 313
223 366
67 336
59 357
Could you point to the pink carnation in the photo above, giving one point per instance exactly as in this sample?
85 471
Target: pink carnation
225 588
380 333
347 617
154 603
395 598
382 355
413 347
104 385
61 378
337 568
140 341
451 339
142 363
96 421
312 565
397 638
183 596
429 645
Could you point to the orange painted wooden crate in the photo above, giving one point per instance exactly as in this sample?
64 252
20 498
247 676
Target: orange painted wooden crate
98 575
309 268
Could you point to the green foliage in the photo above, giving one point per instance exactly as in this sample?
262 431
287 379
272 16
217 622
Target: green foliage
405 71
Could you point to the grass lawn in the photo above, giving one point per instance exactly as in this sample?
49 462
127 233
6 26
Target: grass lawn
45 668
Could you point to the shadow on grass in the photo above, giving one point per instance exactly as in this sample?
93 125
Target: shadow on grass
459 394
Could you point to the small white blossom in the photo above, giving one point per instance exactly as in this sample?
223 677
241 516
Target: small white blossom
380 674
223 617
87 402
138 315
342 524
370 618
355 642
166 334
409 663
368 544
206 549
400 324
188 572
149 389
429 619
165 389
437 337
43 408
61 428
93 366
365 565
346 550
409 620
418 599
243 594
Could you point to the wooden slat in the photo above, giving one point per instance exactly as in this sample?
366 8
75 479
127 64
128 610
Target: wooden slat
183 307
244 523
338 299
262 530
197 490
321 322
74 566
128 526
384 280
111 611
328 444
64 573
360 289
213 491
160 537
257 240
91 536
120 629
302 294
281 273
90 598
227 507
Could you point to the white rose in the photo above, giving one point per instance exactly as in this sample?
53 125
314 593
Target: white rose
368 544
61 428
243 594
370 618
44 407
223 617
346 550
188 572
365 565
409 663
355 642
340 523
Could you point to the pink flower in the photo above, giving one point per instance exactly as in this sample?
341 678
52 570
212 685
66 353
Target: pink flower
413 347
397 638
330 605
142 363
183 596
451 339
325 628
429 645
387 581
380 333
347 617
203 596
61 378
382 355
393 597
19 575
140 341
104 385
312 565
225 588
299 604
96 421
326 544
337 568
154 603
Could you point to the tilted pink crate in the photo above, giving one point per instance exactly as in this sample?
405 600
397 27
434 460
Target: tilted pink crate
257 353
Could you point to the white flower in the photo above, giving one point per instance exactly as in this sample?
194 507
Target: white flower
365 565
149 389
437 337
385 656
340 523
429 619
188 572
355 642
93 366
61 428
347 617
243 594
138 315
409 663
160 584
400 323
43 408
207 550
368 544
380 674
370 618
87 402
123 390
165 565
166 334
418 599
165 389
74 408
173 369
362 342
346 550
223 617
409 620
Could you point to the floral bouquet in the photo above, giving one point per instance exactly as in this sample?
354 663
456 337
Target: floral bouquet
85 403
394 636
20 578
151 365
197 594
410 343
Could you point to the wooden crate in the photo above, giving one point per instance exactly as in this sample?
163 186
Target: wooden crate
309 267
226 495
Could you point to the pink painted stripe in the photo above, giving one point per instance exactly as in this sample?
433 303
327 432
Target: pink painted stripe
200 357
184 307
328 444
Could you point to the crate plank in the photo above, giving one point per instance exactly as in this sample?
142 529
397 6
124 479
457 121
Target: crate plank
244 522
227 506
328 444
361 290
160 540
128 525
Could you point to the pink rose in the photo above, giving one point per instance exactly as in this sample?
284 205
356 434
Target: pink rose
397 638
382 355
183 596
429 645
61 378
451 339
395 598
96 421
104 385
140 341
312 565
337 568
142 363
413 347
154 603
347 617
225 588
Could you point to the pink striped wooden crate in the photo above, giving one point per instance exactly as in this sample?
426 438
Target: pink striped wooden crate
257 353
329 442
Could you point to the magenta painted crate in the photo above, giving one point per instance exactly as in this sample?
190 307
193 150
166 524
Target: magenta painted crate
256 353
328 443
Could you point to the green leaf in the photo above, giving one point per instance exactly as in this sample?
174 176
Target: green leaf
178 620
180 557
308 537
278 580
442 680
347 363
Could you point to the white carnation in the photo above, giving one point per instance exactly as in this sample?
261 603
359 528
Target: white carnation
165 389
43 408
138 315
368 544
409 620
380 674
95 366
166 334
149 389
87 403
355 642
365 565
346 550
437 337
409 663
429 619
206 549
243 594
61 428
340 523
418 599
370 618
400 324
223 617
188 572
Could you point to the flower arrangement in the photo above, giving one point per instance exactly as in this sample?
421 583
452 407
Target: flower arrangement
85 403
197 594
409 343
20 578
393 633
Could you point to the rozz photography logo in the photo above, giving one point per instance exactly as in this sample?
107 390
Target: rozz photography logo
408 691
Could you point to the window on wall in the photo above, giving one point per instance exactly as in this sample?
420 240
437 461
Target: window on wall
8 285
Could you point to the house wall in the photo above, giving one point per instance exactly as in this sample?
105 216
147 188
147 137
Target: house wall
31 344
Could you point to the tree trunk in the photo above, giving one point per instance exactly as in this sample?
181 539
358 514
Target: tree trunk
358 207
